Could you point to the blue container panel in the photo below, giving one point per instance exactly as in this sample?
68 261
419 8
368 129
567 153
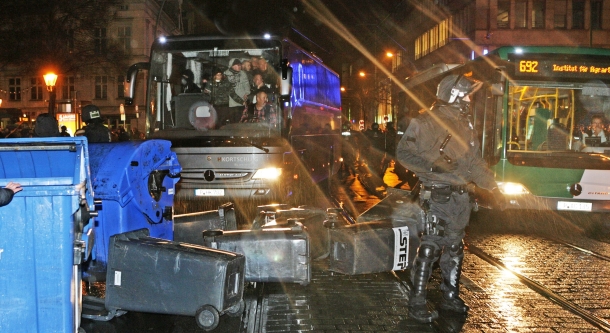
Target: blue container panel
36 260
120 178
39 164
116 220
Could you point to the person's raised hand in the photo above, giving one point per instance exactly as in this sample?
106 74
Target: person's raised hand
15 187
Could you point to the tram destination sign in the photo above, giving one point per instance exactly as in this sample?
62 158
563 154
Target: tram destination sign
552 68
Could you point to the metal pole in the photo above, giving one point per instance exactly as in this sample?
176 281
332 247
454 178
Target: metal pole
52 102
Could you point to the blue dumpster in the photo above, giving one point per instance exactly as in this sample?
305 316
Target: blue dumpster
44 233
135 183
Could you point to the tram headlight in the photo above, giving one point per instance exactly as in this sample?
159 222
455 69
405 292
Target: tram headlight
512 188
268 173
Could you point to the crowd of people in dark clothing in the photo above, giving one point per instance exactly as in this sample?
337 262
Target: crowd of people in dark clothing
233 91
368 154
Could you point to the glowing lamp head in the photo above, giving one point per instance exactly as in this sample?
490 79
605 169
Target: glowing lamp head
50 79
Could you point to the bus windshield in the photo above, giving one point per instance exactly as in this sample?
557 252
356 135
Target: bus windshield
214 87
556 116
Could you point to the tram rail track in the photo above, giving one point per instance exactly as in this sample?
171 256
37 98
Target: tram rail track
535 276
548 292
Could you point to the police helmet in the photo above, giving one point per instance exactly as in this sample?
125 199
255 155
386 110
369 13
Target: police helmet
375 126
91 113
453 88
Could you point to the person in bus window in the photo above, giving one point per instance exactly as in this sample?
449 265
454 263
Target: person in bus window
270 76
246 67
261 111
240 89
597 129
442 148
188 83
254 62
257 83
218 94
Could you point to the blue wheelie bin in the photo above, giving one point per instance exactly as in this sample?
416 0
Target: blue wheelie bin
134 185
44 233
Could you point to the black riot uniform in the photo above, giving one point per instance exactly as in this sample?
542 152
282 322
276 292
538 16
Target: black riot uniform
442 148
95 131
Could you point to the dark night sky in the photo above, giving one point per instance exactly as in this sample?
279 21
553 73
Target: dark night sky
367 20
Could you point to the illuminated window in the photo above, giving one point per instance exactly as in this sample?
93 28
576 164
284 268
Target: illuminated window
578 14
538 13
397 60
439 35
36 85
434 38
502 16
443 33
560 14
425 43
14 89
520 14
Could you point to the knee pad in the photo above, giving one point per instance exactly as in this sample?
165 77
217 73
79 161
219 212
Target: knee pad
428 252
456 249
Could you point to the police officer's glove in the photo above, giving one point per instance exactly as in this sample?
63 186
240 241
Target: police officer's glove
500 202
442 166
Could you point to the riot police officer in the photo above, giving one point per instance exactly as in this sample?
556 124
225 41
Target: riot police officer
442 148
95 131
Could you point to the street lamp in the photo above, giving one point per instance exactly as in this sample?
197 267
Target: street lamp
50 79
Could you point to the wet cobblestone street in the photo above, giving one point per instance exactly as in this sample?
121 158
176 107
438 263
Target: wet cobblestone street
499 300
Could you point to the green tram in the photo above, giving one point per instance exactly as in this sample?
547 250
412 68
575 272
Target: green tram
532 117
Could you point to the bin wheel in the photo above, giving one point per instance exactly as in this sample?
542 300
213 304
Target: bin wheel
237 309
207 317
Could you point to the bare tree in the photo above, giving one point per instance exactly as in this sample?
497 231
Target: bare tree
66 35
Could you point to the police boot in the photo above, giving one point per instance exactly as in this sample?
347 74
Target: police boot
451 271
419 310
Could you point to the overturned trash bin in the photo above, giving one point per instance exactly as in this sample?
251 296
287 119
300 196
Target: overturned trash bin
148 274
272 255
188 227
385 237
45 233
135 183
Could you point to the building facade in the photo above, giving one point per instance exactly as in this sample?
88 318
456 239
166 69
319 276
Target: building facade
133 27
455 31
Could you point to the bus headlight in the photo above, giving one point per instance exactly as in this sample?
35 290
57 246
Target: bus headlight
268 173
512 188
